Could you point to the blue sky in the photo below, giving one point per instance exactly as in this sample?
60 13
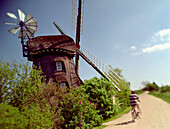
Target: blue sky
132 35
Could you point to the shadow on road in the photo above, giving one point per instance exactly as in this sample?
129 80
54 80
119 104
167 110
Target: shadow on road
124 123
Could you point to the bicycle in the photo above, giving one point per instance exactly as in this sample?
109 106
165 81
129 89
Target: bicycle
135 115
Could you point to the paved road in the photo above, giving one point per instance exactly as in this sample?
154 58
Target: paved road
155 115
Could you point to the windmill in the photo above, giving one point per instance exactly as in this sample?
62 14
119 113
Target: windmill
26 26
55 53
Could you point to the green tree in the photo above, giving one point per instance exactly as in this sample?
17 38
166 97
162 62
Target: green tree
123 85
100 92
19 84
150 86
75 110
164 89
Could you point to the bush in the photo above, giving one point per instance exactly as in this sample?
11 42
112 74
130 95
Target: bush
11 117
124 86
75 110
151 87
19 84
27 102
30 118
38 117
123 96
100 91
164 89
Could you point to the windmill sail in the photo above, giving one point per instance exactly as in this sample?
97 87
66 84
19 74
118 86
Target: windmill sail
100 67
77 6
59 28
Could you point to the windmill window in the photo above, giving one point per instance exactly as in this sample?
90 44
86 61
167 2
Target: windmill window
60 66
63 84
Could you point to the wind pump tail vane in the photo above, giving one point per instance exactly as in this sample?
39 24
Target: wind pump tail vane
27 26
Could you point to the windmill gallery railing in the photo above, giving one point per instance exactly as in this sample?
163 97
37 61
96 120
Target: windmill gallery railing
100 67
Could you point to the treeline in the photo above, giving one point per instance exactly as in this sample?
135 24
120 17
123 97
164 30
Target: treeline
154 87
26 101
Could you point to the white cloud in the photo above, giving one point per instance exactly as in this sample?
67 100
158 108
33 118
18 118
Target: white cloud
133 48
154 48
163 35
159 41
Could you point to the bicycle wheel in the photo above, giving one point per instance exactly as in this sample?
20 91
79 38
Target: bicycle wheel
139 113
133 115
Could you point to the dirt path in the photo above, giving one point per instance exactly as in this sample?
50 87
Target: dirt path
155 115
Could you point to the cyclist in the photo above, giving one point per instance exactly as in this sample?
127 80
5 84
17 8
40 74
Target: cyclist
134 101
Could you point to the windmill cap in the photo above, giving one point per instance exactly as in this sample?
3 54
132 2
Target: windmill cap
51 43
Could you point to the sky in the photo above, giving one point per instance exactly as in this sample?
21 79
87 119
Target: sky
132 35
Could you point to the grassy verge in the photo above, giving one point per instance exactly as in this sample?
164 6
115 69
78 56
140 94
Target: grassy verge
139 91
100 127
114 117
118 115
121 113
165 96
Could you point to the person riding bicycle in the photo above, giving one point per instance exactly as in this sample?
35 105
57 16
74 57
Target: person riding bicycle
134 101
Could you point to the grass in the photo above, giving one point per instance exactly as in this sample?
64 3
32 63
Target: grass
165 96
100 127
120 114
139 91
114 117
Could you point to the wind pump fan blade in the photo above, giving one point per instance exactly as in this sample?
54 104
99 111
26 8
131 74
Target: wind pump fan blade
32 25
21 15
10 23
30 22
11 15
27 25
22 34
29 19
14 30
30 32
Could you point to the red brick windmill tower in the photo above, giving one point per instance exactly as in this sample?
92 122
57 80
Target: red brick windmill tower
53 53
